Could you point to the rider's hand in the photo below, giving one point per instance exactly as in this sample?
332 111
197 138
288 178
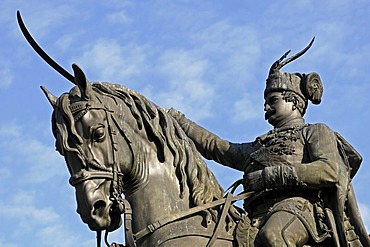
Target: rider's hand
254 181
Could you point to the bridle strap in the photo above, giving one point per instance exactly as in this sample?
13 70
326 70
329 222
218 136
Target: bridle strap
126 210
116 190
129 236
122 204
98 238
87 175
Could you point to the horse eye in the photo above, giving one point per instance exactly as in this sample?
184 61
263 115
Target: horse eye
99 134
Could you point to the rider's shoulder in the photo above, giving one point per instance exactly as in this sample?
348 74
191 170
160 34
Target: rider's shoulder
319 129
317 126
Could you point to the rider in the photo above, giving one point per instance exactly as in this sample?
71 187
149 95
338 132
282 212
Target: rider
300 172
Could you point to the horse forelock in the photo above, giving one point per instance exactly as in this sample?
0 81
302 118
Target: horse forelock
63 125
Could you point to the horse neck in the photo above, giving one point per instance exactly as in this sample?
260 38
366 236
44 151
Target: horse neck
160 197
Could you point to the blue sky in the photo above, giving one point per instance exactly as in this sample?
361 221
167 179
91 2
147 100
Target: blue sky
208 59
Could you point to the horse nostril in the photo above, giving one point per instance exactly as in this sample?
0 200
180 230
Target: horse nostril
99 208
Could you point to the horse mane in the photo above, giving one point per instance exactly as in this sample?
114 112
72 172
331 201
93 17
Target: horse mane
164 131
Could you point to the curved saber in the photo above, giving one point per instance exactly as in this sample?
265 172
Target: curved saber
41 52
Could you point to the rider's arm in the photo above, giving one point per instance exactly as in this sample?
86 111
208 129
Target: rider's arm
211 146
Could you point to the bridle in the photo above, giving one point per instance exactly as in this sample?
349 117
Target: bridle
79 109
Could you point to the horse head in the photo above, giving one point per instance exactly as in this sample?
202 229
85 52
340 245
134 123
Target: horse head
86 135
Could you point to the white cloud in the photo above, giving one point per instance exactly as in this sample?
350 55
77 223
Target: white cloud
119 17
30 215
5 243
44 159
193 98
41 158
245 109
65 42
182 64
22 209
42 19
234 50
59 236
187 89
220 61
111 61
43 223
10 130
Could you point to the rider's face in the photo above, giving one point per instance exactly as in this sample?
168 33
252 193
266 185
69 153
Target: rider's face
277 108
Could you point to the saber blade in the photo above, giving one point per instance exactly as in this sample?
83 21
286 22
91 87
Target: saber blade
41 52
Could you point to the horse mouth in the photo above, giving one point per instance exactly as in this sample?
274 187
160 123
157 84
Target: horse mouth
116 220
103 217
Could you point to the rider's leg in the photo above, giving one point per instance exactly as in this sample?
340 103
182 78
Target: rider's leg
283 229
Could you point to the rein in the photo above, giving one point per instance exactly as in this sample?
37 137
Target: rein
226 201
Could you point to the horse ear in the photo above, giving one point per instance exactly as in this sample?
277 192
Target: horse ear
52 98
82 82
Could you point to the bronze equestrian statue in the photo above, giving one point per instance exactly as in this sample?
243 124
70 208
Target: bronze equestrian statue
297 176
